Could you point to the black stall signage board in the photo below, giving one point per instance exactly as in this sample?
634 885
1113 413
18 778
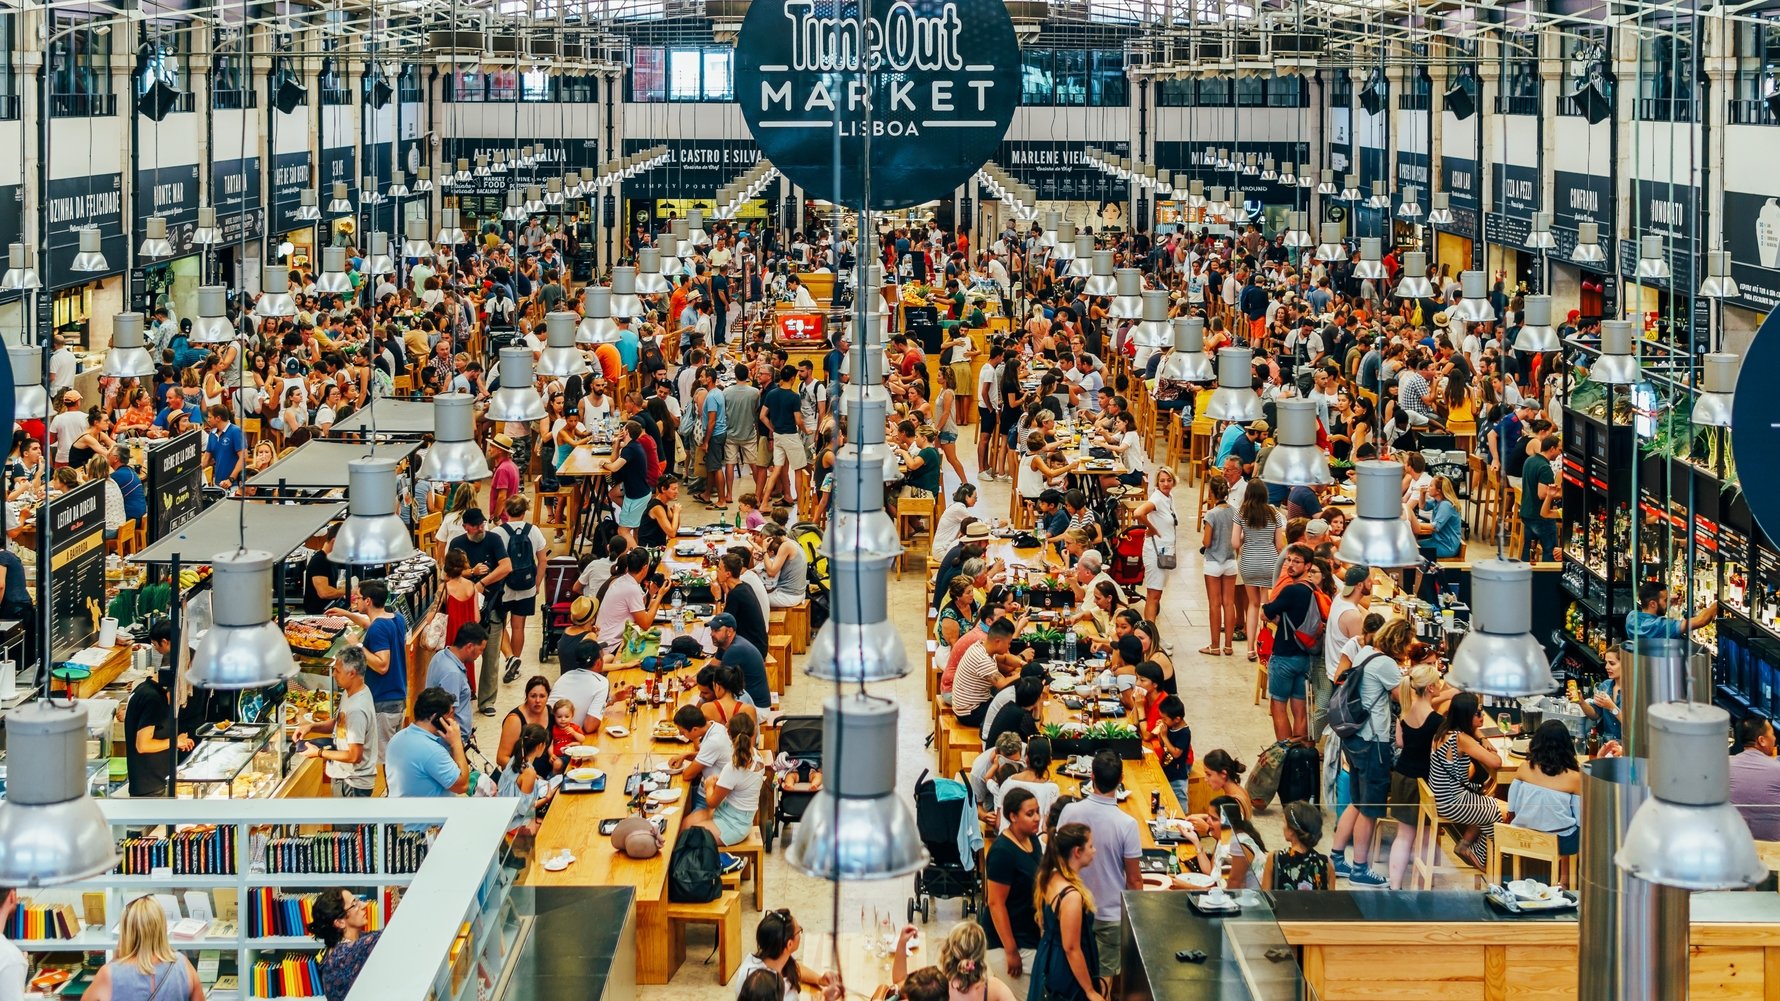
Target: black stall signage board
1578 198
339 165
1458 178
1412 170
1514 197
1061 171
172 194
292 174
556 157
693 168
76 547
235 194
1752 235
1666 209
175 478
1189 158
76 202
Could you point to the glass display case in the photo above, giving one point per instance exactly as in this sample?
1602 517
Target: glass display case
241 761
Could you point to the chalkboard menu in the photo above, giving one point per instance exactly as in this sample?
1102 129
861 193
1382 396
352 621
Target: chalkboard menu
76 548
175 474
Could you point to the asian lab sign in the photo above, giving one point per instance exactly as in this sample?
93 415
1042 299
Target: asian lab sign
928 86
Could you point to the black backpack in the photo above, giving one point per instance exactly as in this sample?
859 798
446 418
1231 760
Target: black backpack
1300 778
694 875
524 575
1348 713
650 359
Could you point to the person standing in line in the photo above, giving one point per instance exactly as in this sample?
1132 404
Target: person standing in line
386 652
1111 868
489 566
426 757
450 668
524 543
351 764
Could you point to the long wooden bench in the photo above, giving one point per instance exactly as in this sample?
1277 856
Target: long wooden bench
754 850
726 914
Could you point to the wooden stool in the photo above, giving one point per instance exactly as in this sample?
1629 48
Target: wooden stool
726 914
908 510
1260 680
565 513
1171 449
754 850
797 623
1198 454
129 537
1483 496
806 494
778 662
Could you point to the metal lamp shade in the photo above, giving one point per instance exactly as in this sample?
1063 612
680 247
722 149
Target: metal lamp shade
244 647
1196 194
1220 202
21 273
51 831
857 827
858 644
378 261
1539 237
306 210
1688 834
1618 363
338 203
1235 398
597 326
1298 231
1439 209
1652 261
649 279
91 257
205 234
1474 306
1378 536
372 534
1415 284
368 193
398 186
1499 656
453 456
128 356
1188 362
1718 283
561 358
462 174
515 207
154 238
1128 304
416 244
1155 331
481 166
861 527
423 180
624 292
518 398
1327 185
450 234
1295 459
1718 384
1101 281
1048 236
1371 262
1588 244
1536 333
333 277
682 241
1331 249
1065 248
1082 264
30 399
1380 198
1288 174
1350 188
1409 207
695 228
553 192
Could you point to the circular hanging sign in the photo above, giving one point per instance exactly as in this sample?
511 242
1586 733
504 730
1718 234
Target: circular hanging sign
930 84
1755 426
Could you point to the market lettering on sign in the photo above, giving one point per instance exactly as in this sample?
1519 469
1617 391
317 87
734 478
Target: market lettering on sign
233 184
1461 180
715 157
1585 200
295 173
169 194
1518 190
183 455
1046 157
1417 172
1667 213
73 208
69 515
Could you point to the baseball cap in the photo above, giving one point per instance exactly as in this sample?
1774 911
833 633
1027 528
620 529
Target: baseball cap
474 516
1317 526
1261 426
722 620
1352 577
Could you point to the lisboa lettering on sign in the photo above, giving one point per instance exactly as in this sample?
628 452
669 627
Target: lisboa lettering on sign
930 84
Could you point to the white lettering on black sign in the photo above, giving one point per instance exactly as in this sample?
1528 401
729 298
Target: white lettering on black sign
77 208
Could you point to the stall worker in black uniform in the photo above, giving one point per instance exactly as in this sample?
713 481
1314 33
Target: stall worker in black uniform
321 577
150 738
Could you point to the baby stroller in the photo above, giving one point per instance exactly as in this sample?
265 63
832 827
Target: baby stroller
946 819
1126 566
555 599
800 742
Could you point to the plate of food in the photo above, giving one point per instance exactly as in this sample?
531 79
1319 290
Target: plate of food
617 731
690 547
664 796
665 730
585 775
1065 684
1195 881
580 751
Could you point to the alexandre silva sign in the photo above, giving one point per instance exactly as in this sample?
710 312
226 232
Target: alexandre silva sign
930 85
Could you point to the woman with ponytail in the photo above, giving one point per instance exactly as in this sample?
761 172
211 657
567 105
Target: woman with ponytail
963 961
1063 969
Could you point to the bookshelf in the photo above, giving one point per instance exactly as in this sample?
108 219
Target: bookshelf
432 867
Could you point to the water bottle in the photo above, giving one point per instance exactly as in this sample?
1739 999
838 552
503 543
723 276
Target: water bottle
678 602
1069 645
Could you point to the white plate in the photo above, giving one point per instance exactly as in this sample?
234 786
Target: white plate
580 751
664 795
1195 881
559 863
1064 686
1533 891
585 775
617 731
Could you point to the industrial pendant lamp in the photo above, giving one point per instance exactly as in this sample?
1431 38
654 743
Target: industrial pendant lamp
377 260
518 398
423 180
1439 209
333 276
1409 208
514 211
597 326
91 257
1474 304
338 203
1288 175
1235 398
1499 656
1128 304
860 524
1296 460
368 193
1414 284
372 534
306 210
1378 536
21 272
864 366
30 399
1305 181
1047 237
127 358
624 291
649 280
1223 160
453 456
553 196
450 234
398 187
1327 185
1196 194
1298 232
1154 332
1618 364
1380 198
1331 249
416 245
681 233
1350 188
212 325
1251 164
671 264
206 234
1539 236
51 831
857 827
500 164
1065 248
1101 281
1371 262
1219 205
1187 362
154 238
1718 283
1688 834
244 647
1267 171
481 165
869 444
695 228
1082 264
561 358
858 644
1652 261
1717 384
1536 333
1588 244
462 174
275 298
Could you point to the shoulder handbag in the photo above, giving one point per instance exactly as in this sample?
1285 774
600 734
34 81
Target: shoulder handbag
432 629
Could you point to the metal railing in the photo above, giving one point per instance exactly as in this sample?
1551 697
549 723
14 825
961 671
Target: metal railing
10 107
82 105
235 100
1517 104
1752 111
1665 109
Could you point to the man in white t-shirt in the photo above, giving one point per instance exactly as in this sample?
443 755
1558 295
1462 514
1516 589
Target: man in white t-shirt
351 764
714 751
587 690
66 427
1084 390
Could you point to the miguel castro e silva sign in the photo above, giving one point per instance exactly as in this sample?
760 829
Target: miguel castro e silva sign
929 86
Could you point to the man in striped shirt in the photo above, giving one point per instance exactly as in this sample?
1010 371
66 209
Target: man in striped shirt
979 674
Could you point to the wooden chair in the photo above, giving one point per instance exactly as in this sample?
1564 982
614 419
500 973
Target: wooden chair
1427 837
1483 497
1198 454
1260 681
1769 853
1522 843
1173 442
908 511
251 429
428 530
726 914
129 537
753 849
806 494
565 516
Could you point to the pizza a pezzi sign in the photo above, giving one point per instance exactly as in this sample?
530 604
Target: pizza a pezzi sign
928 87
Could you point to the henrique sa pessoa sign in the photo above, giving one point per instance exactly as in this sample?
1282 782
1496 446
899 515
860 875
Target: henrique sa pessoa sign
933 83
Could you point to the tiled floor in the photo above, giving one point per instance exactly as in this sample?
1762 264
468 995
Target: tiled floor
1218 692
